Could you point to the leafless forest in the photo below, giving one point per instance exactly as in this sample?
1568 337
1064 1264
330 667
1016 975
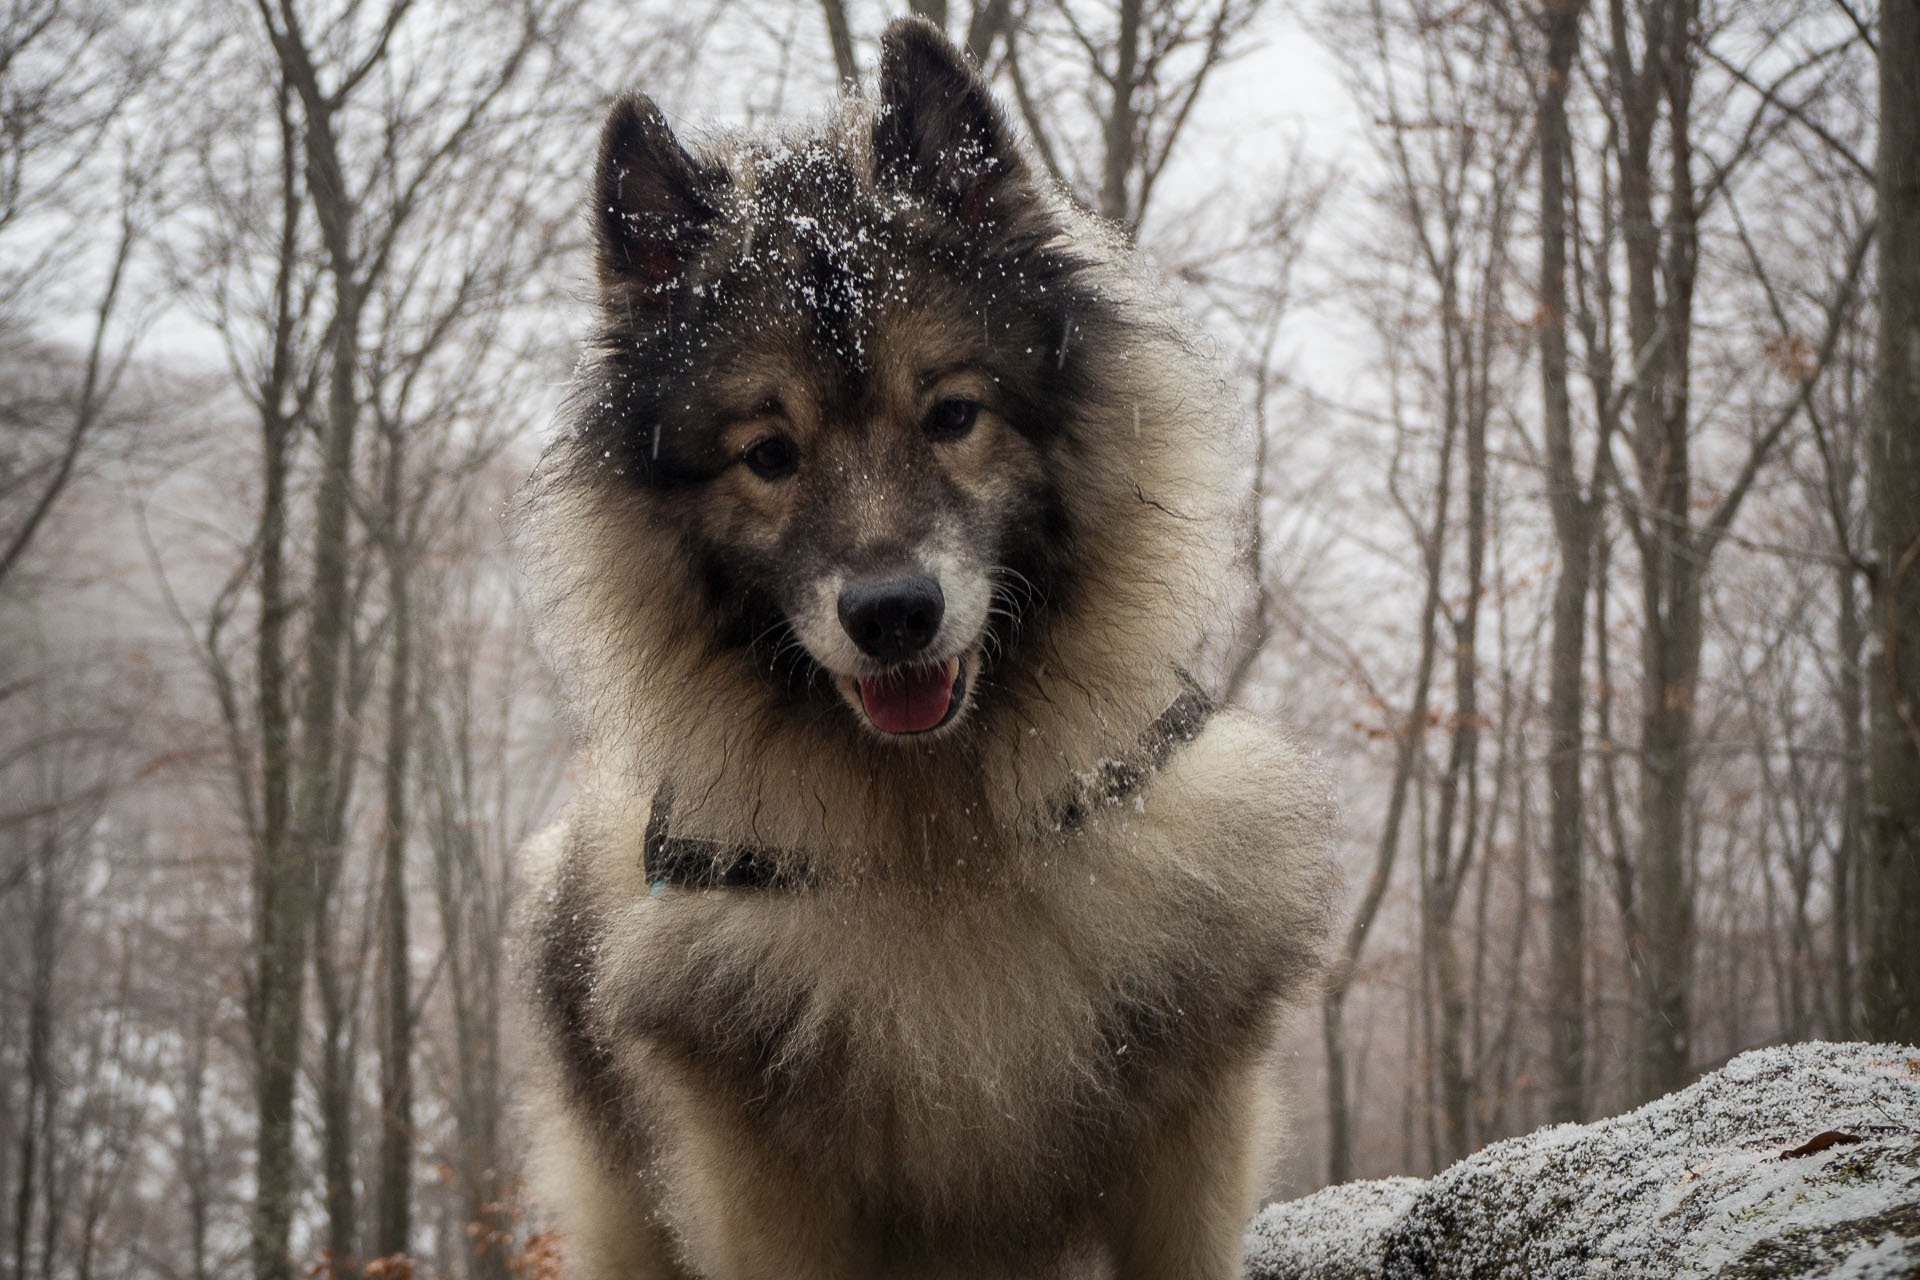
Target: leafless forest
1586 553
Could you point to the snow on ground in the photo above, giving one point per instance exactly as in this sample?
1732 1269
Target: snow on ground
1698 1184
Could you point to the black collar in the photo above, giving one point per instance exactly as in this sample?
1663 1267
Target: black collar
691 862
694 862
1111 781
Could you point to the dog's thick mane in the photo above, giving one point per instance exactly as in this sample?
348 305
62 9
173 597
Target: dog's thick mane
1153 498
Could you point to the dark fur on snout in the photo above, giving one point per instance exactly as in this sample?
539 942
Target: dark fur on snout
1003 1001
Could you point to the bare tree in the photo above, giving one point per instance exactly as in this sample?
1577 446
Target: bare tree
1454 140
360 220
76 201
1890 962
70 759
393 1231
1575 508
1106 93
1653 60
1839 421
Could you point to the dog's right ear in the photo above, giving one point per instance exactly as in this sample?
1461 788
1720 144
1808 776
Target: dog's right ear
654 205
938 135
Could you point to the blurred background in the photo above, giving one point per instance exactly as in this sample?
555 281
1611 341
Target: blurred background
1553 322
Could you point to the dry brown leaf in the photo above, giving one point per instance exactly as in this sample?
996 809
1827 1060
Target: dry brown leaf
1820 1142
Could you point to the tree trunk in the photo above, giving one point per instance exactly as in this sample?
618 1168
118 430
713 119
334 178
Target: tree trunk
1851 699
1459 785
1890 883
990 21
1333 1031
287 888
391 1235
195 1163
1573 517
36 1112
1659 324
840 36
277 1058
336 1086
1456 1072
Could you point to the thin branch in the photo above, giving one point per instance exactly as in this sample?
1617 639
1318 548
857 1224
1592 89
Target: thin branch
1716 527
1860 24
95 387
1770 94
1029 112
350 81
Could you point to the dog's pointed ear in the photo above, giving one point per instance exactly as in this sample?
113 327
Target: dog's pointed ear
654 204
938 135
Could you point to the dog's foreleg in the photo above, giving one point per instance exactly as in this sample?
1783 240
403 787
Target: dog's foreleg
1182 1210
610 1226
746 1214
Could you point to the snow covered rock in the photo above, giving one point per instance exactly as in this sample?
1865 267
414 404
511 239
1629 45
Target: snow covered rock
1796 1161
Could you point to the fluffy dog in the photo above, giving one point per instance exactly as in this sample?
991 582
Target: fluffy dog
918 914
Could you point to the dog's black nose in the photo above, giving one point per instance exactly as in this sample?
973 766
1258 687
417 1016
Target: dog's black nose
892 621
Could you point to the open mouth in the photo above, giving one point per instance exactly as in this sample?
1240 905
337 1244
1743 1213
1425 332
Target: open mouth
914 698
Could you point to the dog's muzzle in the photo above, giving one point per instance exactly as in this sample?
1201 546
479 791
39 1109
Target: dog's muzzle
893 621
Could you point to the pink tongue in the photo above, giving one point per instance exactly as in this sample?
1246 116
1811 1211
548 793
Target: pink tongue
908 701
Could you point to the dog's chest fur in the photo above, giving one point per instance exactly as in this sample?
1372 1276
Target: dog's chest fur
992 1042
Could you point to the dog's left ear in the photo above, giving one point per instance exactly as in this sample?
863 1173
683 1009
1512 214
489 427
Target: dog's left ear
938 135
654 204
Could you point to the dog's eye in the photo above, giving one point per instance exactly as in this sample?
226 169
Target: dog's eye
772 457
951 418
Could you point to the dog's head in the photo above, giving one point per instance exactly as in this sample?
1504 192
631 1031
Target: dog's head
839 377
